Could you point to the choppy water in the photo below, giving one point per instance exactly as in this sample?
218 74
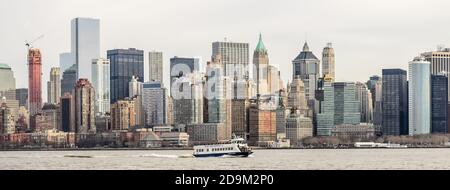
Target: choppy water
341 159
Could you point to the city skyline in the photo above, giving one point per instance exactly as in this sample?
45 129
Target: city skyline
359 42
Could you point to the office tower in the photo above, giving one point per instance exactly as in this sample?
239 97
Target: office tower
281 115
328 62
8 82
439 108
170 110
101 82
296 96
375 86
85 39
22 96
154 103
306 67
155 63
188 100
240 117
7 124
123 115
54 86
134 87
365 102
84 107
261 68
298 127
262 123
339 106
181 67
48 119
125 63
419 97
67 113
440 62
394 102
235 58
23 120
66 61
69 78
34 81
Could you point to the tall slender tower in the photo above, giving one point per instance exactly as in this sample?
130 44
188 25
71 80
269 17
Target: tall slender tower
328 61
84 107
101 83
261 65
419 97
34 81
155 65
54 86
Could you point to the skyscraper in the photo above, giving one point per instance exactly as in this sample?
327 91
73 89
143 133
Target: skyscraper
375 86
69 78
155 63
123 115
84 107
364 97
181 67
262 123
154 103
439 108
7 124
34 81
22 96
440 62
235 58
66 61
394 102
340 106
188 99
125 63
101 83
328 61
298 127
419 97
261 68
8 82
306 67
134 87
54 86
67 112
85 44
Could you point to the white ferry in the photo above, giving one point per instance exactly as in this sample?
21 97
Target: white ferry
235 147
378 145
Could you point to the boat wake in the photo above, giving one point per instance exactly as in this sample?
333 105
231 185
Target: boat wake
167 156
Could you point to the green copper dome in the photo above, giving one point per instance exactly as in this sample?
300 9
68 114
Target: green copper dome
260 47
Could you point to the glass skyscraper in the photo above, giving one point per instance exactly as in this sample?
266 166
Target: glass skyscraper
235 58
394 102
85 44
439 108
419 97
125 63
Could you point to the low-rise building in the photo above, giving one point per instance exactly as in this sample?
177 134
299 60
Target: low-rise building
174 139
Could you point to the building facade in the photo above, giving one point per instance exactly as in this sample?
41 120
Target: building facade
235 58
54 86
123 115
68 81
67 113
85 39
439 102
419 97
206 133
154 103
262 123
328 62
298 127
394 102
84 107
124 64
34 81
155 63
101 82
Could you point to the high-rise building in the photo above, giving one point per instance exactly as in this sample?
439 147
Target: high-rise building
188 99
364 97
123 115
155 63
67 113
375 86
154 103
22 96
8 82
54 86
340 106
262 123
69 78
7 124
439 102
328 62
101 82
235 58
419 97
85 39
135 87
296 96
84 107
125 63
261 68
66 61
48 119
394 102
298 127
440 63
306 67
34 81
181 67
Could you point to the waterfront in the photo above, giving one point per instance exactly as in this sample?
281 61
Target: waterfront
293 159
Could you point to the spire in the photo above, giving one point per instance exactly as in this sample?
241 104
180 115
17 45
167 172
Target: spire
260 47
306 47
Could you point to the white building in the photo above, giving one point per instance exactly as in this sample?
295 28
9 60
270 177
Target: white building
419 96
101 82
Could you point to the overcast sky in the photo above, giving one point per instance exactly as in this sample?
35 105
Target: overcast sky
367 35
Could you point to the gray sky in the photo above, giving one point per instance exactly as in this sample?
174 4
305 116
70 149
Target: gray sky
367 35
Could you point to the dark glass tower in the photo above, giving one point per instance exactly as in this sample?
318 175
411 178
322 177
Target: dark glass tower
394 102
124 63
439 109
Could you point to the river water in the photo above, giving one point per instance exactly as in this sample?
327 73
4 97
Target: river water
296 159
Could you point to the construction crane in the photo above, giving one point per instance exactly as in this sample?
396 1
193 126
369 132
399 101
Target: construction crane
29 44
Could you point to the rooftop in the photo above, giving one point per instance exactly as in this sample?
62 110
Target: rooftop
4 66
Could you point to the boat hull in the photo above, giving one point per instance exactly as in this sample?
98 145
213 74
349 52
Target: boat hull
234 154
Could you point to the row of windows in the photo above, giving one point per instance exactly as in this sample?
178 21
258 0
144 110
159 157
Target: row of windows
215 149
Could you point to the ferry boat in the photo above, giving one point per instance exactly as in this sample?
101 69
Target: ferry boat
378 145
236 147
